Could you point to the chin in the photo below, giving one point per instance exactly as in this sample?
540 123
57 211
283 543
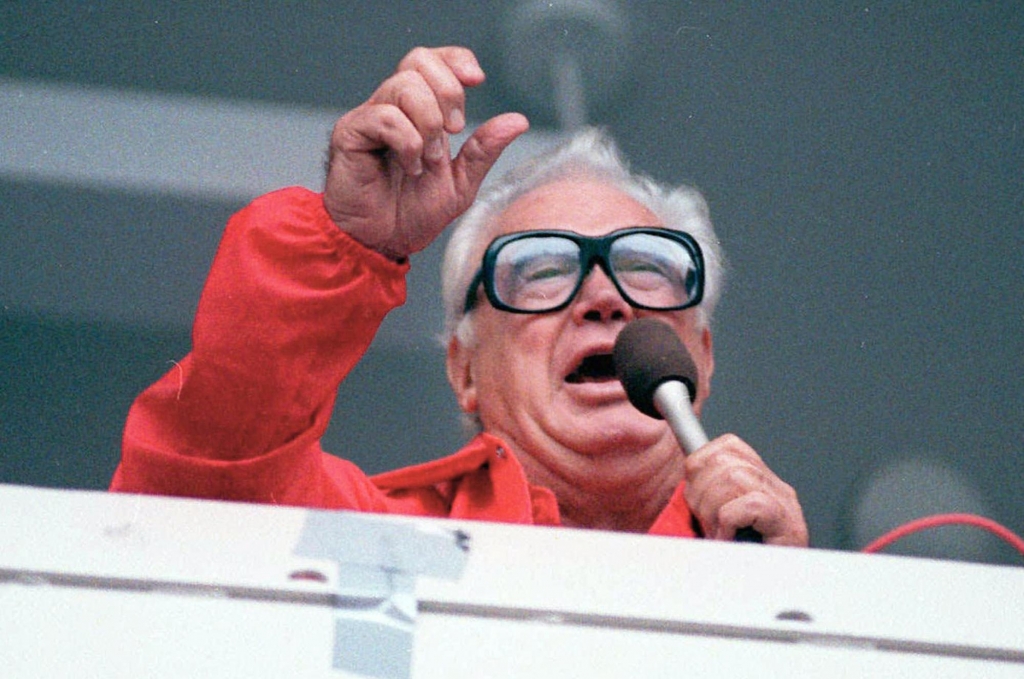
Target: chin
618 434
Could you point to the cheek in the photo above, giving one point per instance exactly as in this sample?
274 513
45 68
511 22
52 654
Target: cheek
515 350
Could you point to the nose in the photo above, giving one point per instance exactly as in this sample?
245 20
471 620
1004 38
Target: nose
599 300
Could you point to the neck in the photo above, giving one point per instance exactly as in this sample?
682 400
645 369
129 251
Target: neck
596 515
620 492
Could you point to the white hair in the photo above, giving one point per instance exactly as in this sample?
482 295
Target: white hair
589 153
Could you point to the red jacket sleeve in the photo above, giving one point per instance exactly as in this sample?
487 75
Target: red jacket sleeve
290 305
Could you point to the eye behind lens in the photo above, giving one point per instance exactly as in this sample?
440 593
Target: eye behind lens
655 271
536 273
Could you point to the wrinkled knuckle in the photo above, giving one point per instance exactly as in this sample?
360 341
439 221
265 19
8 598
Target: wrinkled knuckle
406 83
450 92
764 504
345 134
389 118
740 476
751 503
692 465
341 129
732 440
416 55
715 457
352 117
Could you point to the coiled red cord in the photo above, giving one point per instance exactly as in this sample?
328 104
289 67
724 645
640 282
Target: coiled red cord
946 520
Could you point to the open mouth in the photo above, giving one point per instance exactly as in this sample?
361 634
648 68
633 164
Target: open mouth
596 368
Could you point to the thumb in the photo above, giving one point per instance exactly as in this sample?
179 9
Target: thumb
479 153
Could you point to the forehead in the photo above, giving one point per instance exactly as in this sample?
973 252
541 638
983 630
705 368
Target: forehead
584 205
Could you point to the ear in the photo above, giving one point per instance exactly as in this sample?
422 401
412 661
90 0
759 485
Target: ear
460 375
705 360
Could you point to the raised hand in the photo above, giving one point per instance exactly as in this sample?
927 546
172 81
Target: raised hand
392 183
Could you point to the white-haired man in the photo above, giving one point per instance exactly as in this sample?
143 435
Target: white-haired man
540 276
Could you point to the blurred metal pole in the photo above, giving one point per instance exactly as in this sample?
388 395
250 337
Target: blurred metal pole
570 96
563 57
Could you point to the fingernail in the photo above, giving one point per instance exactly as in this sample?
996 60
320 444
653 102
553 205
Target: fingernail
456 120
435 149
474 70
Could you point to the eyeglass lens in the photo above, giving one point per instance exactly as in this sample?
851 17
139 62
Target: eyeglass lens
542 272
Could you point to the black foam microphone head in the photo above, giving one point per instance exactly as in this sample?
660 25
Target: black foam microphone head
648 352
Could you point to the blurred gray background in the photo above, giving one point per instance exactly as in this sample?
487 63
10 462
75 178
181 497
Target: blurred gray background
863 162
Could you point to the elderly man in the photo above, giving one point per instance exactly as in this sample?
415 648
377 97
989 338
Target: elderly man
541 275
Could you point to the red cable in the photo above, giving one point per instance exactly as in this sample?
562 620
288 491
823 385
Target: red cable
945 520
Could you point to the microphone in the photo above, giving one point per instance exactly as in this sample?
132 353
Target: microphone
660 379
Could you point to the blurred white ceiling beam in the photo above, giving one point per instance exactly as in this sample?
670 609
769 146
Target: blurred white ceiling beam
169 144
158 144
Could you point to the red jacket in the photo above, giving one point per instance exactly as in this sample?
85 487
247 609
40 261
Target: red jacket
227 423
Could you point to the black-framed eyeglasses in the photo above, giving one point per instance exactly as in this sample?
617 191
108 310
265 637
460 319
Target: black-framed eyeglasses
533 272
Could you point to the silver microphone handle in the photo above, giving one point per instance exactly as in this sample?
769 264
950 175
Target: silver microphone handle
672 399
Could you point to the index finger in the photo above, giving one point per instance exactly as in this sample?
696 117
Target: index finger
447 71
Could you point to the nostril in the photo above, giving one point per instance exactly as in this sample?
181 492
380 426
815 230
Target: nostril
599 300
601 315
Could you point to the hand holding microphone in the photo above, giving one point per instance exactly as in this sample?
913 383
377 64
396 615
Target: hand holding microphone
660 379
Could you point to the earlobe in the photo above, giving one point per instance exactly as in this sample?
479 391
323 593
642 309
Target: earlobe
705 368
709 355
460 375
